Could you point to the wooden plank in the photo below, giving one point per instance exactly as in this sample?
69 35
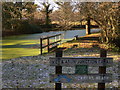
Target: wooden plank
102 69
55 42
53 48
70 61
48 42
51 36
88 29
51 43
72 78
41 46
58 69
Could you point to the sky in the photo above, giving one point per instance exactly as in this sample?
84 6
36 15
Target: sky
61 0
50 1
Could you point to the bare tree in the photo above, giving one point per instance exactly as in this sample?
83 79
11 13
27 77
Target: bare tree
106 15
66 15
46 11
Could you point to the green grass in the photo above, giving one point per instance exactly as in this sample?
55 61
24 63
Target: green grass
15 47
9 53
19 48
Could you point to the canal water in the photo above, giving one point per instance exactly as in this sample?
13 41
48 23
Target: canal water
28 45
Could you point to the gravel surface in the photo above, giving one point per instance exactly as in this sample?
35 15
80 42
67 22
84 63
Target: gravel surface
33 72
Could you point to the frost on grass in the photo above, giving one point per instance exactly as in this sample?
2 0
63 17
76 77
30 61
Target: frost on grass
25 73
33 72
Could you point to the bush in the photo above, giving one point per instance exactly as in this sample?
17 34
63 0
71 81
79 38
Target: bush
37 21
27 28
117 42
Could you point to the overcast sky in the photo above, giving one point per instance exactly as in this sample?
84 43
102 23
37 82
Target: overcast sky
50 1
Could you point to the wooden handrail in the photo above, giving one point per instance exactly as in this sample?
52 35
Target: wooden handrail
51 43
48 42
51 36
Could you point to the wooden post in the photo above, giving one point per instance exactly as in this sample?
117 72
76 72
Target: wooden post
88 26
55 40
118 74
41 46
76 37
59 39
58 70
102 69
48 42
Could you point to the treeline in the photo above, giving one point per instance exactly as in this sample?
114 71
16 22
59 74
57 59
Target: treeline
106 15
27 17
18 17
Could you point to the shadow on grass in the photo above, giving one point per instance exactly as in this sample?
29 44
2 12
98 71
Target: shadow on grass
9 53
84 39
21 46
92 49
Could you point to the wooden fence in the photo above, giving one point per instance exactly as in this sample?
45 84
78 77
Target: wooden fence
49 44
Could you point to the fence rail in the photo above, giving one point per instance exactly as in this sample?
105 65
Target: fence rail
51 36
48 43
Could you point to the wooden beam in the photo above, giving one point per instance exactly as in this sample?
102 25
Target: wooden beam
58 69
41 46
102 69
88 27
51 36
48 42
51 43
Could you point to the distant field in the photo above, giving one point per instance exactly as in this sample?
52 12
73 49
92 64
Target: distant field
76 23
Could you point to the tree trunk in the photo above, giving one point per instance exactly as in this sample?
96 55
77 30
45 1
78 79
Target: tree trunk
88 26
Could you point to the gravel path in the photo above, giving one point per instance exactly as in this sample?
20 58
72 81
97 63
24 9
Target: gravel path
34 72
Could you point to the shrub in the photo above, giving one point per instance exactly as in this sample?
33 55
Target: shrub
117 42
27 28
